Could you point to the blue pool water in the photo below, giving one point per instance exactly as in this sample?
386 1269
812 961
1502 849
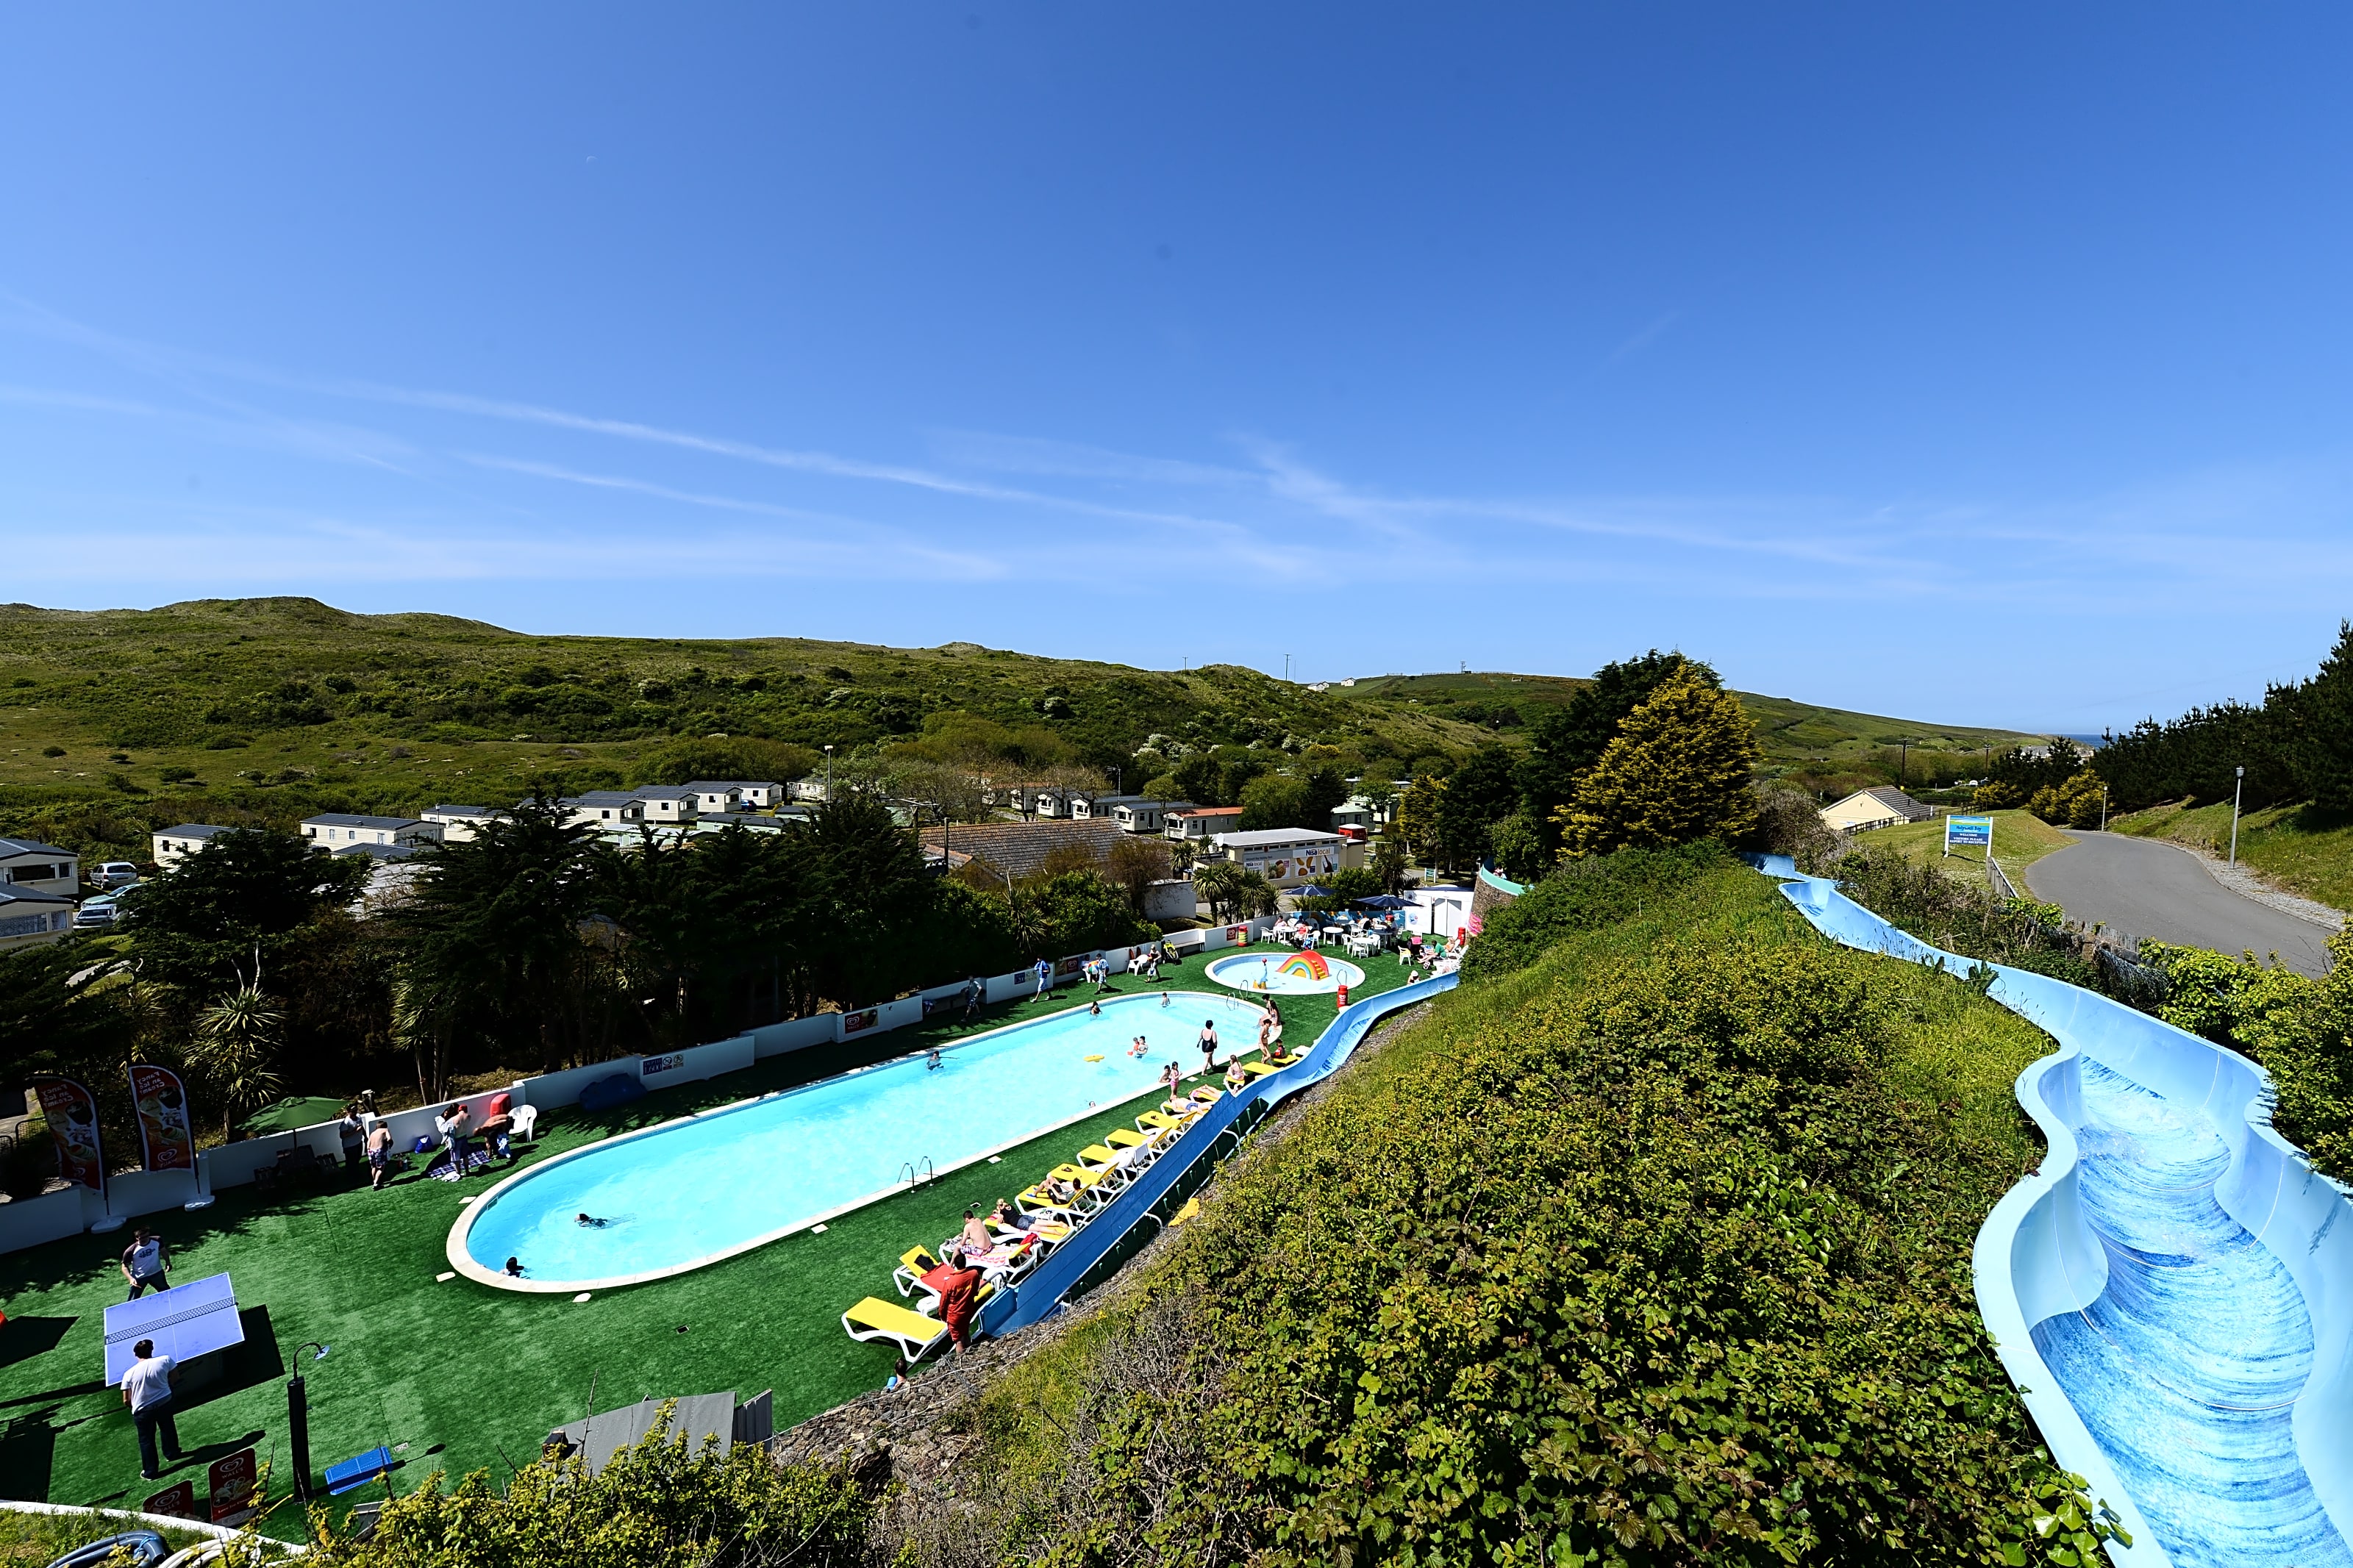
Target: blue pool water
2187 1365
713 1184
1263 972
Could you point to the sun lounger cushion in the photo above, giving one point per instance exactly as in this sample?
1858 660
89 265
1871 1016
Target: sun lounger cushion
911 1331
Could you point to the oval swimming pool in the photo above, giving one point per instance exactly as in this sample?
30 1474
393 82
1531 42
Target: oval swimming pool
708 1187
1300 973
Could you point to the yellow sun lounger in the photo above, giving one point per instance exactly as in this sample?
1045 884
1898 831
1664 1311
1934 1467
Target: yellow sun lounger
1259 1069
915 1333
913 1262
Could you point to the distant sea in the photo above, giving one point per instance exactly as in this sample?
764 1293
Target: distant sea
2091 741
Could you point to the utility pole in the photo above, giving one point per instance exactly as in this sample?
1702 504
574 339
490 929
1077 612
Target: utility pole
1903 759
2239 785
829 775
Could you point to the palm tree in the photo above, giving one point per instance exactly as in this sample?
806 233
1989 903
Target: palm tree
237 1050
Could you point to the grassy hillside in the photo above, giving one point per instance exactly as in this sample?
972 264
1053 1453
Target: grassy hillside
1799 738
114 722
1655 1251
2303 850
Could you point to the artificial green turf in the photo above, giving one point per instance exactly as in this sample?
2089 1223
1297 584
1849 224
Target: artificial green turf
461 1372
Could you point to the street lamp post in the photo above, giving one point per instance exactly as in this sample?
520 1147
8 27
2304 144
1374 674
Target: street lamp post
829 775
2240 784
298 1422
2103 809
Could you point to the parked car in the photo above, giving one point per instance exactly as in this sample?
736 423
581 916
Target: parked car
115 874
95 914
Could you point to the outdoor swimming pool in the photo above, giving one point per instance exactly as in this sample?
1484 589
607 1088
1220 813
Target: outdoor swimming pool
708 1187
1296 975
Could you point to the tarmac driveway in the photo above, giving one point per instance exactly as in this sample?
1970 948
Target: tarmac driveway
2147 888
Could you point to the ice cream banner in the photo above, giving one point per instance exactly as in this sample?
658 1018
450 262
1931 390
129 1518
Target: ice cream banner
165 1141
72 1116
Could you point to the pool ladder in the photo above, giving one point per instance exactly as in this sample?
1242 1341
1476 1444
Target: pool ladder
910 1174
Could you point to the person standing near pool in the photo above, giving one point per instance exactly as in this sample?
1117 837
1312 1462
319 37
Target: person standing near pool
1045 972
1209 1046
379 1155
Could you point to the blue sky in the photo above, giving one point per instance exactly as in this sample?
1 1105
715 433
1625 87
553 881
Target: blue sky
1984 364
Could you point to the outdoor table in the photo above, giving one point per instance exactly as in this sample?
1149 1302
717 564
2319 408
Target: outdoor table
195 1324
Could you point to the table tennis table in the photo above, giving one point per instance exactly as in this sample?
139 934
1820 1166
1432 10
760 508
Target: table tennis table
188 1322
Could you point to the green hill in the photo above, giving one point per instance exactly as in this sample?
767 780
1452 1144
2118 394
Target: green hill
113 722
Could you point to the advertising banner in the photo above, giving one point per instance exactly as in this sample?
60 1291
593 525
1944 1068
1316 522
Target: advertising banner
858 1023
166 1143
177 1502
72 1116
232 1480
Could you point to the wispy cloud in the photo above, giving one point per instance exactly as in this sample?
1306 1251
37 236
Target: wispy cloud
501 486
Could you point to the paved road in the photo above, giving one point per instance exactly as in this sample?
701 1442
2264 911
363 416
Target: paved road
2150 889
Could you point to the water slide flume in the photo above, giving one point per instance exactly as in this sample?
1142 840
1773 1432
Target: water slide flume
2172 1292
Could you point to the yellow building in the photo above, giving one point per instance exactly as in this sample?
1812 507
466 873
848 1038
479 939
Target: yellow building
1883 806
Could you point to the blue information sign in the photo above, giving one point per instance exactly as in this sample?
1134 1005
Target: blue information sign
1968 832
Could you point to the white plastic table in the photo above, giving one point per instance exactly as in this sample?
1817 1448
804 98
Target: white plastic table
185 1322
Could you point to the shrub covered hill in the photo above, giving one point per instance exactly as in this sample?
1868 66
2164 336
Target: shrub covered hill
1649 1245
262 710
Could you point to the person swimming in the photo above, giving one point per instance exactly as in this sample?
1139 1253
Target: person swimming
1094 1009
591 1221
514 1267
932 1062
1139 1049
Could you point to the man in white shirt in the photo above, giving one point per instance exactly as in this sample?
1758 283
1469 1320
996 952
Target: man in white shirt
147 1389
143 1263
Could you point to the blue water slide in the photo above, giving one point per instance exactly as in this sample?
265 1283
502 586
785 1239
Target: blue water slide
1213 1134
2172 1292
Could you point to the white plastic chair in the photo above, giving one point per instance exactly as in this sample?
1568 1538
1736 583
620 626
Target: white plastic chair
526 1120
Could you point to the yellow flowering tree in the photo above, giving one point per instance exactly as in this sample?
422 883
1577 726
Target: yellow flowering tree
1677 770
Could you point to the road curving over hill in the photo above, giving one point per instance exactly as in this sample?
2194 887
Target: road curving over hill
2149 888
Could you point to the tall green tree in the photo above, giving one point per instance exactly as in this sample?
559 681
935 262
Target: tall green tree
57 1015
235 1057
1565 741
1479 794
194 927
1680 770
496 945
2320 728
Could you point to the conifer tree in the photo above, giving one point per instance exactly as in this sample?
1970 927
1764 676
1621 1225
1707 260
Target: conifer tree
2320 727
1677 770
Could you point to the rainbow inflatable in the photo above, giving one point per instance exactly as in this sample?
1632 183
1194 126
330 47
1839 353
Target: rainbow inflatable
1309 966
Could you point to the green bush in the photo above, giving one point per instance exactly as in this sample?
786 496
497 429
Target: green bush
1582 896
1649 1255
656 1505
2300 1030
1964 918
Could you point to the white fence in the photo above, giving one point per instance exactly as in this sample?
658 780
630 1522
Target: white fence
30 1222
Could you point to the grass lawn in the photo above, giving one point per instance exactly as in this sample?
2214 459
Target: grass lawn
2020 839
2292 845
470 1377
